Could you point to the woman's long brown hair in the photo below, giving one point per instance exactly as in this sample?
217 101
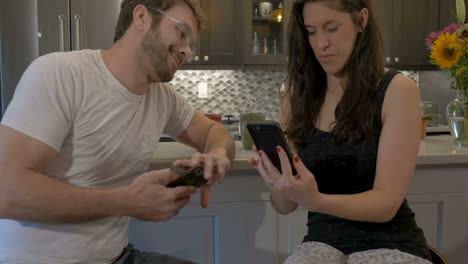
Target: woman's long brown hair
307 82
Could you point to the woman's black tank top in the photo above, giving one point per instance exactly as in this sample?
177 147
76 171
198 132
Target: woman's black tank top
350 169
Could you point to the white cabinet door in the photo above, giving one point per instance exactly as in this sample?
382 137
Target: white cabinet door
224 233
240 226
438 195
291 231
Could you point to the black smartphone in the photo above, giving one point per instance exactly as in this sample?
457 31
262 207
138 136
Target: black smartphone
266 135
191 177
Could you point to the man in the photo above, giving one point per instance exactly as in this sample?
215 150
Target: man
77 140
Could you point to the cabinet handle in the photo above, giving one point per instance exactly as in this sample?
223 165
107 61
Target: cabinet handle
77 32
388 59
397 59
61 20
196 58
206 58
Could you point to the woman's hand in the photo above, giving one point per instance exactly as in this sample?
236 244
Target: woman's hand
259 166
301 188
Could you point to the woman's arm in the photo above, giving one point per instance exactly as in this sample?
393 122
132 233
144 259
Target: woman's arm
396 160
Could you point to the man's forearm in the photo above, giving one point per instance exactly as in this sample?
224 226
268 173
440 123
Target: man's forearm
219 139
27 195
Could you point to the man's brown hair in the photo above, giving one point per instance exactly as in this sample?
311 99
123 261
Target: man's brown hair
127 7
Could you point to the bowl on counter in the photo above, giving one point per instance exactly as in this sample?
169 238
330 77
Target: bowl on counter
215 117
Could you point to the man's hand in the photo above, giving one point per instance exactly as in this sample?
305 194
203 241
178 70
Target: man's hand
215 165
153 201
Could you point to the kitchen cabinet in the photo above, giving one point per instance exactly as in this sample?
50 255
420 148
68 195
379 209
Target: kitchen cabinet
240 225
220 43
80 24
76 24
268 31
228 233
18 45
448 13
405 25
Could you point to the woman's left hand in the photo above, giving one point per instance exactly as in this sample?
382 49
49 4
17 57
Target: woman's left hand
301 188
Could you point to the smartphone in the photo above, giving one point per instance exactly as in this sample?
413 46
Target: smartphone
191 177
266 135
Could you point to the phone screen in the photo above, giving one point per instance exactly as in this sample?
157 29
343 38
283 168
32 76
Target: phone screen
266 135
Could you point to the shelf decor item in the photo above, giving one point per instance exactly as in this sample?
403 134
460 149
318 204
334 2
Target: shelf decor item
425 119
449 51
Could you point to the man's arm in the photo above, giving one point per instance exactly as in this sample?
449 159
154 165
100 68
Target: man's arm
208 136
216 145
26 194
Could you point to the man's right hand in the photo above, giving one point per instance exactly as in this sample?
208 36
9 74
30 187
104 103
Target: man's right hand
151 200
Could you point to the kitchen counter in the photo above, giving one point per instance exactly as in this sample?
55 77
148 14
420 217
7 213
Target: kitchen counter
241 226
432 151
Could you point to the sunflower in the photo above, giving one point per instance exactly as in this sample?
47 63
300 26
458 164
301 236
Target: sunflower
445 51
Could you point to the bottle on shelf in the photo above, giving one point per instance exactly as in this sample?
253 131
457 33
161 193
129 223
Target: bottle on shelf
265 46
255 44
275 47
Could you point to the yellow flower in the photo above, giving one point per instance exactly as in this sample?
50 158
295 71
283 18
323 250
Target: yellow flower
461 72
445 51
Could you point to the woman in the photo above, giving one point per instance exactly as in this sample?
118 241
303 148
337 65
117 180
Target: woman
356 128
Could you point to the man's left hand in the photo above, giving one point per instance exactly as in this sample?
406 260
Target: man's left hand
215 165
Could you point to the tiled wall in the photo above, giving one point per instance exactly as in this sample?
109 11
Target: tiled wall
229 91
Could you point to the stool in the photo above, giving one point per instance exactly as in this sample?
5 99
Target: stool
437 258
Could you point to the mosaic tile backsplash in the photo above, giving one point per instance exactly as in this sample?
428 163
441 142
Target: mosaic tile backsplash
230 91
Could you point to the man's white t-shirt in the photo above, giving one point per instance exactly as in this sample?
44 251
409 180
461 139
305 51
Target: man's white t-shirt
105 137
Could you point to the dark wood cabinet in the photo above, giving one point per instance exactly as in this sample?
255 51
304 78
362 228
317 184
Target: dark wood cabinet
405 25
228 40
448 13
271 32
220 43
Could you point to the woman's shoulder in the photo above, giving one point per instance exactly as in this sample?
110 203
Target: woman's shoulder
401 91
403 84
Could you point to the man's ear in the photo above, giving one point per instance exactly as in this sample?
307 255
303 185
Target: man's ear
141 17
363 18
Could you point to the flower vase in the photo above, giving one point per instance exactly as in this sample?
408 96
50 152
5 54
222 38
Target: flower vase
457 118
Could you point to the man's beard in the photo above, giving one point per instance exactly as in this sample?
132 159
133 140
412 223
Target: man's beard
158 56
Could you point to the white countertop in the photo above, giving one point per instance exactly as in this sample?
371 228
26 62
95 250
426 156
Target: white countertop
436 150
441 150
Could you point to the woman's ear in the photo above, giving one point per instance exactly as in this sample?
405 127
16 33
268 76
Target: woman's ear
363 18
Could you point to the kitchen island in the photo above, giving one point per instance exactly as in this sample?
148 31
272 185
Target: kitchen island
240 226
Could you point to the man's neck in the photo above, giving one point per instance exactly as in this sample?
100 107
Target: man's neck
126 68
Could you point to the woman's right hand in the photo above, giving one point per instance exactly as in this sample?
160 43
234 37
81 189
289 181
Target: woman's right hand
300 189
150 199
258 164
262 164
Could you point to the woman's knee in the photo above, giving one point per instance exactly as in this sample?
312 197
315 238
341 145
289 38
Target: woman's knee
385 256
315 252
